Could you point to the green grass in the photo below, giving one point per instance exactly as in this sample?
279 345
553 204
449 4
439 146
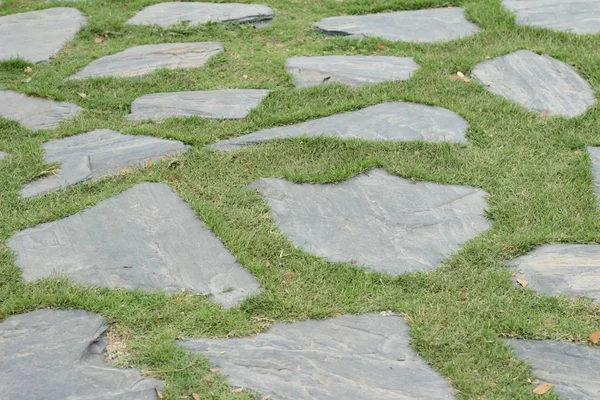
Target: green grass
536 170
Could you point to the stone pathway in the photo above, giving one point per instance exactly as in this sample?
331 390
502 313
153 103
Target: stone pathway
35 112
594 153
577 16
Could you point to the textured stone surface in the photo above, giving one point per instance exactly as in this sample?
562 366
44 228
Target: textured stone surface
349 357
146 237
51 354
35 112
142 60
577 16
536 82
595 159
96 154
383 222
229 104
396 121
432 25
36 35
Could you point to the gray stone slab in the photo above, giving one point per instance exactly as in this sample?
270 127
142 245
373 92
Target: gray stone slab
539 83
576 16
51 354
215 104
594 153
35 112
144 238
36 35
142 60
98 153
424 26
349 357
349 70
383 222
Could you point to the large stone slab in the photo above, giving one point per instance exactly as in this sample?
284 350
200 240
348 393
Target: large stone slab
577 16
144 238
539 83
349 357
51 354
36 35
595 159
35 112
383 222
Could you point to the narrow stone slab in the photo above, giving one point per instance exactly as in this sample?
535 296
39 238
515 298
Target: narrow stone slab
349 357
144 238
142 60
425 26
595 159
35 112
51 354
577 16
539 83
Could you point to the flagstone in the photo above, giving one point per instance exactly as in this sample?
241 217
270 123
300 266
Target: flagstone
35 112
576 16
594 153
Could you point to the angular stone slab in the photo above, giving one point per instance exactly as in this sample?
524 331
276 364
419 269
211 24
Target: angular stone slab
36 35
144 238
214 104
576 16
350 70
35 112
98 153
424 26
349 357
383 222
539 83
595 159
143 60
51 354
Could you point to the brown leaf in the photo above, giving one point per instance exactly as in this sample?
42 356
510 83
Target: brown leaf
288 275
542 389
27 69
195 396
459 76
159 394
353 261
214 370
237 390
595 337
544 113
82 95
149 164
98 40
522 282
125 5
380 46
26 80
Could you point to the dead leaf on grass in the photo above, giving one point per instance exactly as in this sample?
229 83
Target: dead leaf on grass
595 337
542 389
523 282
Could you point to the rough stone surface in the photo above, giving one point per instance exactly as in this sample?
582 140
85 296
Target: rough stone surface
432 25
96 154
383 222
539 83
35 112
142 60
144 238
577 16
216 104
348 357
36 35
51 354
595 158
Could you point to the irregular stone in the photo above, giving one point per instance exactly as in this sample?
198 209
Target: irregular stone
37 35
577 16
52 354
595 159
348 357
144 238
383 222
425 26
35 112
142 60
98 153
539 83
215 104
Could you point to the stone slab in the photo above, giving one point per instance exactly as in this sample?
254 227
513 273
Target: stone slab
51 354
35 112
349 357
594 153
576 16
539 83
144 238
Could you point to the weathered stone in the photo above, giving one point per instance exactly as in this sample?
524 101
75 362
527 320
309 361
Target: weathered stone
383 222
577 16
36 35
348 357
144 238
51 354
595 159
539 83
35 112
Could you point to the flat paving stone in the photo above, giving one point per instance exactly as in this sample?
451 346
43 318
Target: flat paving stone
52 354
348 357
576 16
349 70
143 60
539 83
424 26
383 222
396 121
35 112
214 104
144 238
98 153
594 153
37 35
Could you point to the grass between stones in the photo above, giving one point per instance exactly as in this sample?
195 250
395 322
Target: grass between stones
536 170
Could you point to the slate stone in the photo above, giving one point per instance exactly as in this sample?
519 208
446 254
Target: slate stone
215 104
424 26
349 357
51 354
98 153
37 35
144 238
539 83
142 60
383 222
35 112
350 70
595 159
576 16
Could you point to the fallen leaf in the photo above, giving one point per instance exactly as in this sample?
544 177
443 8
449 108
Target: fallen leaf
27 69
214 370
544 113
522 282
542 389
595 337
459 76
82 95
26 80
98 40
106 35
353 261
288 275
196 396
125 5
245 76
238 390
380 46
159 394
149 164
